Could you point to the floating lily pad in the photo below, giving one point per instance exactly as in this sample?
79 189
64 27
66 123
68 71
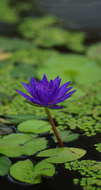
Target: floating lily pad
44 168
26 171
5 164
34 126
23 171
15 145
62 155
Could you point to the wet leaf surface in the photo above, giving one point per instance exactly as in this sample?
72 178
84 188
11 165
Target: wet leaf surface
15 145
34 126
26 171
62 155
5 164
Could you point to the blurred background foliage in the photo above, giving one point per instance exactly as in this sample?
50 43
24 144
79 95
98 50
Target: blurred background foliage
10 10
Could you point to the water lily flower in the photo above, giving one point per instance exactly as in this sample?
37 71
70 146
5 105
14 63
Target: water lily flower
46 93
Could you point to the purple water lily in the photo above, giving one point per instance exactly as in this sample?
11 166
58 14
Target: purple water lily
47 93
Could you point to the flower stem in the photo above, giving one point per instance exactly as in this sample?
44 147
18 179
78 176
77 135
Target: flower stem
54 128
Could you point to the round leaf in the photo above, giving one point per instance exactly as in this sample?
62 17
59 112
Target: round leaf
34 126
23 171
15 145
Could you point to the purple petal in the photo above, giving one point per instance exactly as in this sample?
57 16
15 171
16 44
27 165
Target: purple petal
62 92
28 88
31 99
25 95
57 81
41 94
44 79
54 90
32 81
64 97
51 84
58 93
64 85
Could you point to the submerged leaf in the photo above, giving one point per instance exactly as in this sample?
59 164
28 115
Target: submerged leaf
67 136
4 130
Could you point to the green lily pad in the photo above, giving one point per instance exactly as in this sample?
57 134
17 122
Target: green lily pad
34 126
26 171
5 164
15 145
44 168
62 155
67 136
